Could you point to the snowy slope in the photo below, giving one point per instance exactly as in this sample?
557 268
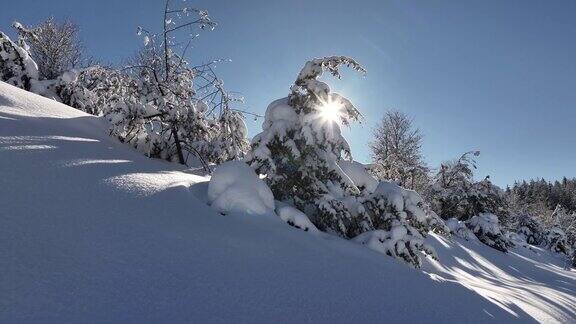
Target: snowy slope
91 231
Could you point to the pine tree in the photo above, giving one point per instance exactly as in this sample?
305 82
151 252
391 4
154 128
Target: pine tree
487 229
531 229
299 148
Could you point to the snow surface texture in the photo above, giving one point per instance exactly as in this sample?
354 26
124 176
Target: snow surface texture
235 187
91 231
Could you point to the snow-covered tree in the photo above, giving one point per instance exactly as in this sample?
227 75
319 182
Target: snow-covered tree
400 217
181 112
55 47
487 229
556 241
485 197
559 235
16 65
459 229
448 193
306 162
301 144
231 141
396 152
455 193
531 229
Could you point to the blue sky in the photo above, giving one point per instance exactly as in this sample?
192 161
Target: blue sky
497 76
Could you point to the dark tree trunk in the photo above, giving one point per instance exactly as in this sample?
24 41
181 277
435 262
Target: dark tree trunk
178 146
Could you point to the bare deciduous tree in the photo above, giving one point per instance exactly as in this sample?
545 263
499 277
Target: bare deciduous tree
54 46
396 151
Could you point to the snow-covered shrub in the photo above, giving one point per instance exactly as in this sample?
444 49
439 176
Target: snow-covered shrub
299 149
16 66
400 216
400 242
530 229
459 228
234 187
294 217
556 241
454 193
96 90
391 202
402 222
487 229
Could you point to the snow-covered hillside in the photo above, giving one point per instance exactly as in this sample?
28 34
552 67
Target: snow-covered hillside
92 231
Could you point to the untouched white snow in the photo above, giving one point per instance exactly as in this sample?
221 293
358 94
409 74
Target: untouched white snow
91 231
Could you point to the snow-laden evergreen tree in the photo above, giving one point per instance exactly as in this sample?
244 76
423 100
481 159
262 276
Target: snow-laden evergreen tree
531 229
556 241
459 228
300 146
55 47
306 162
400 217
487 229
396 152
485 197
402 221
16 66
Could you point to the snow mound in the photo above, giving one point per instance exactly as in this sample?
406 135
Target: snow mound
294 217
235 187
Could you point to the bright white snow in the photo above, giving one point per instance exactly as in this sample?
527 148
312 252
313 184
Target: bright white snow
123 238
235 187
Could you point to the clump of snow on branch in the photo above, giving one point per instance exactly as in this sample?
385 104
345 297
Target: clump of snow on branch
294 217
235 187
399 242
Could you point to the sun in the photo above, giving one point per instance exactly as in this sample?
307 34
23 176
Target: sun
330 111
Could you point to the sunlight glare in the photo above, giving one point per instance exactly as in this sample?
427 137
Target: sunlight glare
330 111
